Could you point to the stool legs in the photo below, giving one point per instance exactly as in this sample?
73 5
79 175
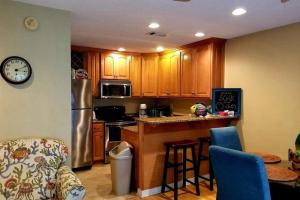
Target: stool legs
175 173
163 187
195 171
184 168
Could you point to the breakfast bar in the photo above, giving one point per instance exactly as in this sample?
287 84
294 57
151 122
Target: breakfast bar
148 139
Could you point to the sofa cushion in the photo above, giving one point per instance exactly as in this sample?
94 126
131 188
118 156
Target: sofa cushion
28 168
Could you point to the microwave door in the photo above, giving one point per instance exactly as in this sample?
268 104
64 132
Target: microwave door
115 90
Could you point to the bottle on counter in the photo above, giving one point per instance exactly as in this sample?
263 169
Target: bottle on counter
143 111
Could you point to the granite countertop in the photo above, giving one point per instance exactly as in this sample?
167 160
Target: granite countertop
183 118
131 128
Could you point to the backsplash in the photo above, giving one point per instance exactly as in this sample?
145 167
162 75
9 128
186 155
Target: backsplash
132 104
182 105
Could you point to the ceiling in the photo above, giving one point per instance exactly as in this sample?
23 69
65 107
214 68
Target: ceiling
124 23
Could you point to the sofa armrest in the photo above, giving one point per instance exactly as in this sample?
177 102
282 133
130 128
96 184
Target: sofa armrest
68 185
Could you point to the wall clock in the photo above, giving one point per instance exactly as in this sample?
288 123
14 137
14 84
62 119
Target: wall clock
15 70
31 23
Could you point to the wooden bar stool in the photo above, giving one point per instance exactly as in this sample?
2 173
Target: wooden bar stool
180 145
201 157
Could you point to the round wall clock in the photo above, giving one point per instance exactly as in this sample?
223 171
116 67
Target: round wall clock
15 70
31 23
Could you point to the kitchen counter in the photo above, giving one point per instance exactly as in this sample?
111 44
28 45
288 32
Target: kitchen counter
149 136
183 118
133 129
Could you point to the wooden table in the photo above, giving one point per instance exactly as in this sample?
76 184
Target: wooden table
285 190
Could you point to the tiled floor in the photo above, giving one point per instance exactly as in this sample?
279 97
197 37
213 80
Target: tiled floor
98 185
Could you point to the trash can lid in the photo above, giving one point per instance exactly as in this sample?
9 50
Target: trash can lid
122 151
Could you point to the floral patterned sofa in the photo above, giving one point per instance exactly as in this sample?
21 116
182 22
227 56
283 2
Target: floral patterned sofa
33 169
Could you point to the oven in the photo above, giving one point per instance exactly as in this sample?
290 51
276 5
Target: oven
114 118
112 136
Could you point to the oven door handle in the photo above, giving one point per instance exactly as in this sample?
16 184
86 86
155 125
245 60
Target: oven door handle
113 125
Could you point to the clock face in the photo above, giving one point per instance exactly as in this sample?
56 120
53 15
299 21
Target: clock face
15 70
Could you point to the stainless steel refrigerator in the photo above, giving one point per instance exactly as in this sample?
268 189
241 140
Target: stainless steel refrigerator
81 123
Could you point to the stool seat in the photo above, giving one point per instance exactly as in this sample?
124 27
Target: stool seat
181 143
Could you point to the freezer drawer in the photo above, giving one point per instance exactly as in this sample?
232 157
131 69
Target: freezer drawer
81 138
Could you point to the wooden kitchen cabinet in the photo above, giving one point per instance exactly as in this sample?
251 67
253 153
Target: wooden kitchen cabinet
98 141
203 58
114 66
136 75
188 73
169 74
202 68
92 65
149 75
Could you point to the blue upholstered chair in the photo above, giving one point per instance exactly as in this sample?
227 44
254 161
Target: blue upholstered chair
239 176
226 137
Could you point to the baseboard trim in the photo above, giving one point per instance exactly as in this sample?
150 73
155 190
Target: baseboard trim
156 190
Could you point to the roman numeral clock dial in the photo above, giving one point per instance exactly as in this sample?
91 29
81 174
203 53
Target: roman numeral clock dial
15 70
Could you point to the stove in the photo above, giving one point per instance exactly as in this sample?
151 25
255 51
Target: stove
114 118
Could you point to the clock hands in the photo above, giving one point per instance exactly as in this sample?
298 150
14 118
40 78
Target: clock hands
22 67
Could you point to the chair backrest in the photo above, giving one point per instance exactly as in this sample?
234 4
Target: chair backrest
28 167
226 137
239 176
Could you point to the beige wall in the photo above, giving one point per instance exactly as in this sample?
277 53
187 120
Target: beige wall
40 107
266 65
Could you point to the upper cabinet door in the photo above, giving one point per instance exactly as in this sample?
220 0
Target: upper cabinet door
169 74
149 75
121 67
92 65
203 60
107 66
135 75
164 76
188 74
174 76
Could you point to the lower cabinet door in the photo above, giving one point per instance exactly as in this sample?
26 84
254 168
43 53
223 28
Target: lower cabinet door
98 146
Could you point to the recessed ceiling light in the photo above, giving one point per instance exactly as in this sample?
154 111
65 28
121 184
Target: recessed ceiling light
199 34
153 25
239 11
160 48
121 49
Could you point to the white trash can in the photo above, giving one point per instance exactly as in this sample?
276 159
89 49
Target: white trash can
121 161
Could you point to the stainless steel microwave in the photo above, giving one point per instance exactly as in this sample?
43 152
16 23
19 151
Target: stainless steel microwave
115 88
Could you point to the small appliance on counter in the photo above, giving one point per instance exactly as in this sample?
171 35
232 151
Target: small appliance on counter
114 118
159 111
143 111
